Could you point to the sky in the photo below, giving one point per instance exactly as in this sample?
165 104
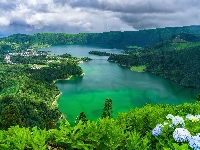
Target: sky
75 16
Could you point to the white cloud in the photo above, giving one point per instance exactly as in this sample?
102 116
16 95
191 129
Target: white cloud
96 15
4 21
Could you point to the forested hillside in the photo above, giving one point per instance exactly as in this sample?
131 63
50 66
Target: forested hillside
28 96
114 39
176 59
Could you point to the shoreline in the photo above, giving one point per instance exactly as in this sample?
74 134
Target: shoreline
54 81
67 78
55 102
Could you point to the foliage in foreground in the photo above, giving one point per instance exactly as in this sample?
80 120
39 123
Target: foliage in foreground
130 130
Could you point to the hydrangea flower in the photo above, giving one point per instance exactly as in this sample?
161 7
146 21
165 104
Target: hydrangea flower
169 116
194 142
198 116
157 130
188 116
194 119
181 135
178 120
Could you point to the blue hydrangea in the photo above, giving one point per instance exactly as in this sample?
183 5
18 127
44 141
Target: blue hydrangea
157 130
188 116
194 142
173 126
178 121
181 135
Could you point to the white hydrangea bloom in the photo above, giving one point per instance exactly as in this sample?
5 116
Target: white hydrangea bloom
169 116
188 116
177 120
181 135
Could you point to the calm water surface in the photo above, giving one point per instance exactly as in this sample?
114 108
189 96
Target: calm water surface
105 79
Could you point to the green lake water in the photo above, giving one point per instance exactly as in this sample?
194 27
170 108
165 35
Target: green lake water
105 79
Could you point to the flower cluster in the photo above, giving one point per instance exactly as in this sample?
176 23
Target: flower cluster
169 116
188 116
157 130
195 142
178 121
193 118
181 135
198 116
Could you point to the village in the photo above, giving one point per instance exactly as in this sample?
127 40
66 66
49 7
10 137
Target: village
42 58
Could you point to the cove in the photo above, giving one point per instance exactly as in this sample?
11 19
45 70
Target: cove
105 79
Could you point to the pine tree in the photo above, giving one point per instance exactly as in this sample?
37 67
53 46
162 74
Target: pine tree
107 110
10 116
81 117
198 98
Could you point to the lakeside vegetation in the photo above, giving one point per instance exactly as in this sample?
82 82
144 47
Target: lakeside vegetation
30 118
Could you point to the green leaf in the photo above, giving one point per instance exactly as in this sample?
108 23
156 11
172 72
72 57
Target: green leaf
182 147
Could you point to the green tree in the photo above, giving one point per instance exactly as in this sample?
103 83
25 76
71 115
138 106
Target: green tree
10 116
81 117
198 98
50 124
107 110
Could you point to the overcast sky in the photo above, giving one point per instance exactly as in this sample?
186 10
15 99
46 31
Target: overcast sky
75 16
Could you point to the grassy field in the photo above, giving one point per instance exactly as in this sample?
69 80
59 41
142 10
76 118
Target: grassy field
138 68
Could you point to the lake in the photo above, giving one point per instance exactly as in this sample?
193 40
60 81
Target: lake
104 79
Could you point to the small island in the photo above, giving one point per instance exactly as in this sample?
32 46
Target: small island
99 53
